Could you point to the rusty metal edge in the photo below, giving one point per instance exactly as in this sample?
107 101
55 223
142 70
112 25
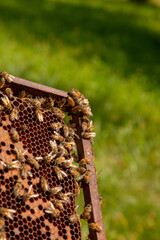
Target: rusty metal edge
36 88
91 195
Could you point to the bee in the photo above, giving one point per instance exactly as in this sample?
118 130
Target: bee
74 173
24 95
9 92
58 112
39 115
47 158
75 93
33 162
71 146
52 210
14 135
14 114
90 126
74 218
2 82
24 128
68 163
36 103
66 131
44 184
88 135
85 118
64 197
77 110
11 165
87 212
2 234
77 189
6 102
7 212
58 204
84 126
2 223
20 154
17 189
7 76
61 103
56 126
60 174
70 101
55 190
62 151
53 145
29 194
95 227
71 124
81 170
84 161
59 160
51 102
24 171
87 111
86 176
56 136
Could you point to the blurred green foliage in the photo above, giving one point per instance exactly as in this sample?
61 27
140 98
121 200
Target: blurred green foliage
110 51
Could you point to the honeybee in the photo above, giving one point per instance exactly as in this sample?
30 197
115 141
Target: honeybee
71 124
7 212
39 115
14 135
87 111
19 154
84 161
85 118
52 210
14 114
64 197
29 194
84 126
6 102
9 92
95 227
86 176
55 190
23 127
56 136
58 204
48 157
36 102
65 131
17 189
74 173
33 162
87 212
60 174
51 102
58 112
77 189
2 82
75 93
24 171
77 109
81 170
71 146
59 160
24 95
44 184
68 164
74 218
61 103
53 145
88 135
2 223
2 234
11 165
7 76
62 151
56 126
70 101
90 126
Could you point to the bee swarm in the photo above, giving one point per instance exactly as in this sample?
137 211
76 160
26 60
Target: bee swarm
38 176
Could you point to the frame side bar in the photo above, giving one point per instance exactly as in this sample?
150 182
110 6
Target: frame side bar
91 195
35 88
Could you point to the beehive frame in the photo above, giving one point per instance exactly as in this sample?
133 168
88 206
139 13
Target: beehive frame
91 195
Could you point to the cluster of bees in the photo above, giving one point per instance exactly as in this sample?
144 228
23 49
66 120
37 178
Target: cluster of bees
62 144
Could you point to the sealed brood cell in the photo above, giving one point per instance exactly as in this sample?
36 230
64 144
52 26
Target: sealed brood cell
29 217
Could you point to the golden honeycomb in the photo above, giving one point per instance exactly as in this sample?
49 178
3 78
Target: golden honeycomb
30 221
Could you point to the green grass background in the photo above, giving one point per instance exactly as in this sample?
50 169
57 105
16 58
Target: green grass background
110 51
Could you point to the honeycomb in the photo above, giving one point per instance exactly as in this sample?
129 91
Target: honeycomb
30 221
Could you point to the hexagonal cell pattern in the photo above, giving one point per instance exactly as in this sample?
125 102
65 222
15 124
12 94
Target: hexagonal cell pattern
30 220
